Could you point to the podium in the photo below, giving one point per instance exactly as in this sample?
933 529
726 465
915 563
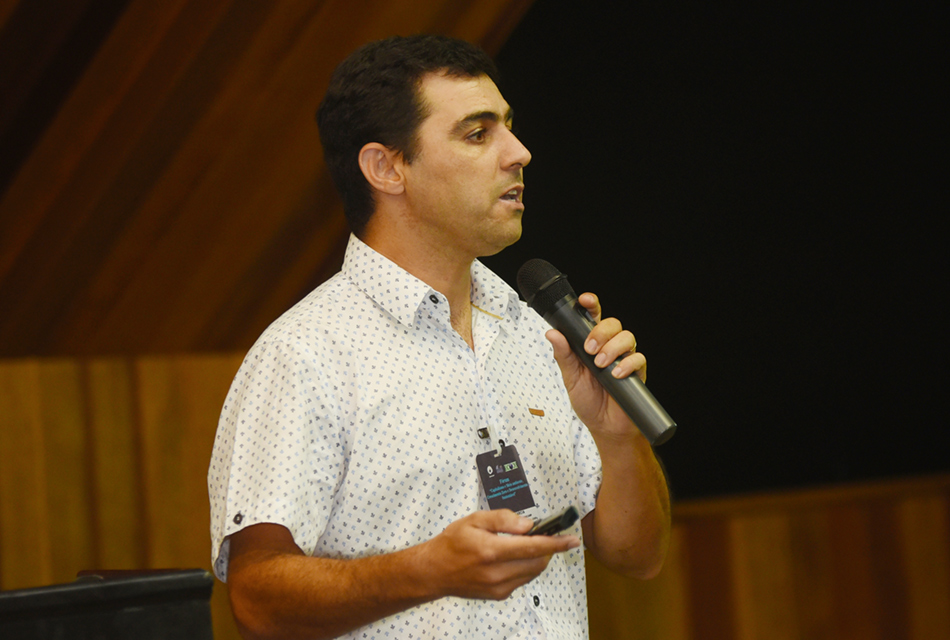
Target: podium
112 605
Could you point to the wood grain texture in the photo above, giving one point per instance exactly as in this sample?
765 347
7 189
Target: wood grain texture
861 561
116 464
165 190
25 546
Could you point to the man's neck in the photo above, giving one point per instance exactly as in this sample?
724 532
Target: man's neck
438 267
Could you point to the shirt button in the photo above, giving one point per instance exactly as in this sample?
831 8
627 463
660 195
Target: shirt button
537 601
434 299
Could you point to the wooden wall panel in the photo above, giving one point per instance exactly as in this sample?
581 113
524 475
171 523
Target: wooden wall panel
925 546
712 597
56 171
116 464
180 400
45 45
69 507
856 599
812 578
869 562
103 464
6 8
763 596
25 557
175 198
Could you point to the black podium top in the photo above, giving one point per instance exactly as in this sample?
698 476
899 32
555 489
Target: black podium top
146 605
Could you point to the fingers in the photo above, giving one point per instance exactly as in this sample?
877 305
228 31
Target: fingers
634 363
518 546
592 303
527 547
609 342
474 561
501 521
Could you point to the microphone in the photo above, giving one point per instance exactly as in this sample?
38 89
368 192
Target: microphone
547 291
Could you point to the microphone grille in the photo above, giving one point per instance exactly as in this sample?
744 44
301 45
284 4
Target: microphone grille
542 285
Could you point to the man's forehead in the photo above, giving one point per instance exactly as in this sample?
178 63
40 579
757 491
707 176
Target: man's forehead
457 97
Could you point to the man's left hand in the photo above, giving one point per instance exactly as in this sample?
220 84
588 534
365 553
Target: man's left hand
607 342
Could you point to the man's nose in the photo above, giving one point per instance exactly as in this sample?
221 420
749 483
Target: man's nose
517 154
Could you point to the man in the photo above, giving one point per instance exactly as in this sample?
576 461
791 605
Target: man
349 478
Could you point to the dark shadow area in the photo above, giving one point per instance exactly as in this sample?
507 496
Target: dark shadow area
753 189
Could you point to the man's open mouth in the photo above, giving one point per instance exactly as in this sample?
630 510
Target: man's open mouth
514 195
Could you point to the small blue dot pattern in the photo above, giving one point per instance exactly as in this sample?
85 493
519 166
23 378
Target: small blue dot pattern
353 422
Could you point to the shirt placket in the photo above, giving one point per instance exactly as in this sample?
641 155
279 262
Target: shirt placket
485 330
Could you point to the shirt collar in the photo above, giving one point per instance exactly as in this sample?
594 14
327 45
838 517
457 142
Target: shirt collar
492 294
401 294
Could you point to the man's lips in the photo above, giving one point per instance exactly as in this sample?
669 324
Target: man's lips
514 194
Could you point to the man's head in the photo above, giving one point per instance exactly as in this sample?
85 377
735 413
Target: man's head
374 96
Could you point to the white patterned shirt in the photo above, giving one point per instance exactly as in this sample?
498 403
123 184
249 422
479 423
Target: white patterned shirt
354 422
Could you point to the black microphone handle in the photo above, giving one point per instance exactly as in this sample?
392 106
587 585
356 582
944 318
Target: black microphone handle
571 318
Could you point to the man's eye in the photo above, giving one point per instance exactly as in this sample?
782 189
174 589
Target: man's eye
478 135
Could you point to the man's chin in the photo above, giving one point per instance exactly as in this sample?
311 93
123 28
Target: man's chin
502 243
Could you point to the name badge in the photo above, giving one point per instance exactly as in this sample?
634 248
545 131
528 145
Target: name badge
504 480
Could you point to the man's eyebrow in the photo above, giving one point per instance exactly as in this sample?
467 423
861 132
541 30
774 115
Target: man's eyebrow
481 116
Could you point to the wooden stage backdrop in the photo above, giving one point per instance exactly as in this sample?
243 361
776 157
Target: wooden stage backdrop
103 463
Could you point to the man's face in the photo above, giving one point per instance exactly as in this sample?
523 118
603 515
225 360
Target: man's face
465 184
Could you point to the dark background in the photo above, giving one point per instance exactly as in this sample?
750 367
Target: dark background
754 190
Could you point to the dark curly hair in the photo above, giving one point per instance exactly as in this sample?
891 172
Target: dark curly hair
374 97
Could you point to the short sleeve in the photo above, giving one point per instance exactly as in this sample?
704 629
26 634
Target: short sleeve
278 454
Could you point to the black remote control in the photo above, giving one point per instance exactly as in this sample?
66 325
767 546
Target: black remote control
554 524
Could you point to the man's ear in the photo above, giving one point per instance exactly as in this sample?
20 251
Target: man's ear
381 167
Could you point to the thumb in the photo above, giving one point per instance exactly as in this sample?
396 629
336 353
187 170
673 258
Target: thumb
562 350
570 365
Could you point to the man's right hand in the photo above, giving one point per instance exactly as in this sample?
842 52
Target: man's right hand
469 560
